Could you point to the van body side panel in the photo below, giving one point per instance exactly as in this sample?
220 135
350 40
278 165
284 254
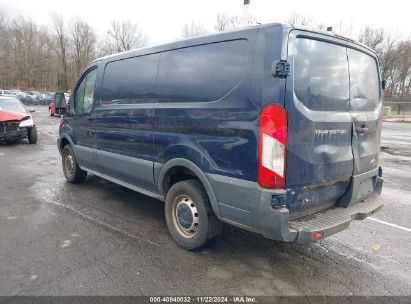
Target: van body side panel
204 113
270 48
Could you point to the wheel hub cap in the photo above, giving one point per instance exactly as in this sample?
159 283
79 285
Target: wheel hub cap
70 164
186 216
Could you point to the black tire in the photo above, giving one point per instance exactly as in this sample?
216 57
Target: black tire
72 171
200 229
32 135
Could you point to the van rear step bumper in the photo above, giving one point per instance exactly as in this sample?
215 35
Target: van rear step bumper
333 220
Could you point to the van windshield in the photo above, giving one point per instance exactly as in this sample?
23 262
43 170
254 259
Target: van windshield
330 77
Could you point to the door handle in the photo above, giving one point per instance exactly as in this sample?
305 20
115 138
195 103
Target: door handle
361 130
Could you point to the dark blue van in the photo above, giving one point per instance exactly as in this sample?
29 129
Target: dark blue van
272 128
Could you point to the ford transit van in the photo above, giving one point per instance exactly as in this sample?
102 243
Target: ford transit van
272 128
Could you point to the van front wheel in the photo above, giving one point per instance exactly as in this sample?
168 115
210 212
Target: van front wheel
190 218
72 171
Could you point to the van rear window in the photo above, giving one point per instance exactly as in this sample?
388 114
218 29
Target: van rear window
330 77
364 81
321 79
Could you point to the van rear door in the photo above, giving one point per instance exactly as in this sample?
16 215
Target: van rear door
365 110
333 119
319 146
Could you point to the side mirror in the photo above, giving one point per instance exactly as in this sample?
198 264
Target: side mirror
32 110
383 84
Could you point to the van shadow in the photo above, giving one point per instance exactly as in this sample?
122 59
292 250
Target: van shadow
256 265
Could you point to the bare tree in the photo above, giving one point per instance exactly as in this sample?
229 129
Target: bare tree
343 28
384 44
298 18
5 77
301 19
61 48
83 39
226 22
3 21
123 36
404 70
24 43
193 29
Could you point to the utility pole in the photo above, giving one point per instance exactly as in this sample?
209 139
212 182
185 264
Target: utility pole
245 19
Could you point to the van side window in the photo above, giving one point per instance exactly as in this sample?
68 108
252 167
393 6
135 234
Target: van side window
85 93
321 79
202 73
364 81
131 80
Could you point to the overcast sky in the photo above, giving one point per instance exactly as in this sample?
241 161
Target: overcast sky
163 20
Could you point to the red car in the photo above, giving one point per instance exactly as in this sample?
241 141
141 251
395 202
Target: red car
16 121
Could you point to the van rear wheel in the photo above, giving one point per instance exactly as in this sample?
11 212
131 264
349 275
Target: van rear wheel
189 216
72 171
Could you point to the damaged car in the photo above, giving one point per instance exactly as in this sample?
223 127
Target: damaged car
16 122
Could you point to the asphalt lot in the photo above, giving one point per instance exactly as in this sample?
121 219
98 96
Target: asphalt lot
102 239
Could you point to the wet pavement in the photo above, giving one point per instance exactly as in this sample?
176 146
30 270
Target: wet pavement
98 238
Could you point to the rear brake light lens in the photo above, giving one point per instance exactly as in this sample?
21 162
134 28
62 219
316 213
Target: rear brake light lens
317 235
272 150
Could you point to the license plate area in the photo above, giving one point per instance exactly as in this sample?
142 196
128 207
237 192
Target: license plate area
366 187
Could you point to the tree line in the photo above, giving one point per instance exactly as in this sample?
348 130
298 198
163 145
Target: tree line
50 58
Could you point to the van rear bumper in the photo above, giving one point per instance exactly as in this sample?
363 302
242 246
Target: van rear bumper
260 212
321 224
333 220
325 222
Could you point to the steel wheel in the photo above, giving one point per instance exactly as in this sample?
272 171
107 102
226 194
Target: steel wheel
72 171
69 164
185 216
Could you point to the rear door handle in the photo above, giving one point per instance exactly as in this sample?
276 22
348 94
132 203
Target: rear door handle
361 130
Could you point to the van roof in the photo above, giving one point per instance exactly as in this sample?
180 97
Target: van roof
208 38
189 41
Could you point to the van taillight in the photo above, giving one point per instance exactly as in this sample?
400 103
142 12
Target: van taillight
272 147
